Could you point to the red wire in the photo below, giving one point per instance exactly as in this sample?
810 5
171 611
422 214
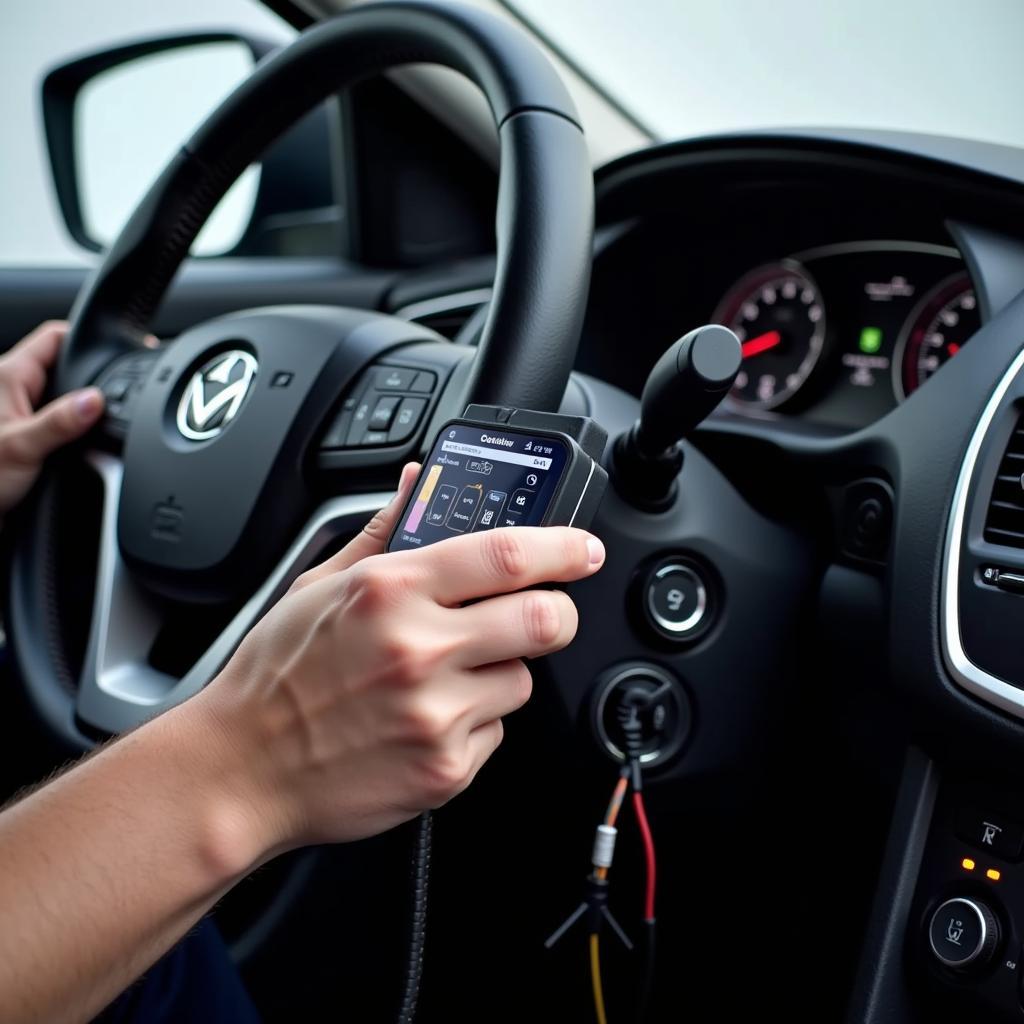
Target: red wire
648 840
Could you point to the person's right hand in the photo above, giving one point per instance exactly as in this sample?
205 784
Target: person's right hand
373 691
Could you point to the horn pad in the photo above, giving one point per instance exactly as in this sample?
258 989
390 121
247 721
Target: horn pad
214 479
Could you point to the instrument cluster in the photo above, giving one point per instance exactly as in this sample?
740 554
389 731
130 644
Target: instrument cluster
841 333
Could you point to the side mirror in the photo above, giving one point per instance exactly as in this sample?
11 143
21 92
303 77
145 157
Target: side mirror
114 118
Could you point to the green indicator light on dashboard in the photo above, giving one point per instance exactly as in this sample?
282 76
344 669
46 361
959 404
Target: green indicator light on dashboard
870 339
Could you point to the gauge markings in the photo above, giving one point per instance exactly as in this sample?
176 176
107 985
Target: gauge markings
940 325
777 314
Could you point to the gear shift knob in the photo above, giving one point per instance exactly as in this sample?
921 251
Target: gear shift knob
685 386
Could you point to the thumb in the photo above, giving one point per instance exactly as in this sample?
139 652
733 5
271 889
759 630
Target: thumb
62 421
374 534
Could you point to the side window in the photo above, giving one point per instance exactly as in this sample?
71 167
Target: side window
120 150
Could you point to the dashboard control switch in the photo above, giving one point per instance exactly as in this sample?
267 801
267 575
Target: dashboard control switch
963 933
990 831
676 602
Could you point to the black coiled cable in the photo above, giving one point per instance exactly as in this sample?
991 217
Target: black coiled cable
418 918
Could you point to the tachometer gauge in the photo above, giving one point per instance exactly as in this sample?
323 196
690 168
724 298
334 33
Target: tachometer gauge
935 331
777 313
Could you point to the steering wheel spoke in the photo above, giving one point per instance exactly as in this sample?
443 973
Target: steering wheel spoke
118 686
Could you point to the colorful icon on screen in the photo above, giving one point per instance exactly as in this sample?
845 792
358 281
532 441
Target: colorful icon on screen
420 506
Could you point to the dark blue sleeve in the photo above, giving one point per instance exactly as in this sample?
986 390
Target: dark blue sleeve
196 982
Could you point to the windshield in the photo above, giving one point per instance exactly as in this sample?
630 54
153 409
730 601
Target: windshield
941 67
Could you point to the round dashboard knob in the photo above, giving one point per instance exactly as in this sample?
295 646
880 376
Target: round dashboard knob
963 933
676 600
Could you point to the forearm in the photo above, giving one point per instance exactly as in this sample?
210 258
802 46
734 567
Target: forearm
104 869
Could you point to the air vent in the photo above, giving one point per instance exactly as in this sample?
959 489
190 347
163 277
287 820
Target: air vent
450 315
1005 522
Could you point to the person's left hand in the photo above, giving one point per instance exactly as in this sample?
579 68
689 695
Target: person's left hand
28 434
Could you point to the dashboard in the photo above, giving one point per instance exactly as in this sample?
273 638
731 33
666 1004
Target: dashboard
841 333
837 267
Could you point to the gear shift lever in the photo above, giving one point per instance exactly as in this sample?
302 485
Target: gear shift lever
686 384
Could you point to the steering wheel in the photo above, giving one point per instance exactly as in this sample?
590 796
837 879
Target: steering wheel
231 459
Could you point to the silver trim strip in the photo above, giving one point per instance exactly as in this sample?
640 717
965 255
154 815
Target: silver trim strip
583 493
821 252
119 688
967 675
444 304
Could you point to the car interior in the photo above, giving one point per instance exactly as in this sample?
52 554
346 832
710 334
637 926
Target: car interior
815 557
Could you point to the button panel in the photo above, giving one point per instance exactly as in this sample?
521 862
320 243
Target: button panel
964 927
377 413
122 381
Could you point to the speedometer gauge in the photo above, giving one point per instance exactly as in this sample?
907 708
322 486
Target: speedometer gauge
935 331
777 313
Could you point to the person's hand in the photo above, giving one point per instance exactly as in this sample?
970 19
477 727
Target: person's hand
28 434
372 691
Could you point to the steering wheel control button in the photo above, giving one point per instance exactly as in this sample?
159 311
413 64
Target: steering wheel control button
659 703
676 600
122 381
374 415
963 933
360 421
383 413
394 378
410 412
116 389
991 832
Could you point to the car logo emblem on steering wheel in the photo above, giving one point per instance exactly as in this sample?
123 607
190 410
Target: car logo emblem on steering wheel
214 395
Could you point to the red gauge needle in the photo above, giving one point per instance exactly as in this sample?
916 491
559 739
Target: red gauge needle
762 343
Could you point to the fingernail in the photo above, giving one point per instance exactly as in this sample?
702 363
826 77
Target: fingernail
88 403
595 549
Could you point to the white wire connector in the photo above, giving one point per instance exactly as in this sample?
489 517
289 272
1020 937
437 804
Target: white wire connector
604 846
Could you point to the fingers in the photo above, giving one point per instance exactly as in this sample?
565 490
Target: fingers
43 344
374 535
524 625
459 770
504 560
483 741
35 354
495 691
29 440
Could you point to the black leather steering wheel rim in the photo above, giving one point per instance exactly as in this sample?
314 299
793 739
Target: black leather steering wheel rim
544 235
545 203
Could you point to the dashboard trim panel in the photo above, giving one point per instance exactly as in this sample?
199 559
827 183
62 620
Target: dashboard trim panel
820 252
967 675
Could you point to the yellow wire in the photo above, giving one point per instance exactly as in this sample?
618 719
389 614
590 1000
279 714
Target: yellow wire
595 977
